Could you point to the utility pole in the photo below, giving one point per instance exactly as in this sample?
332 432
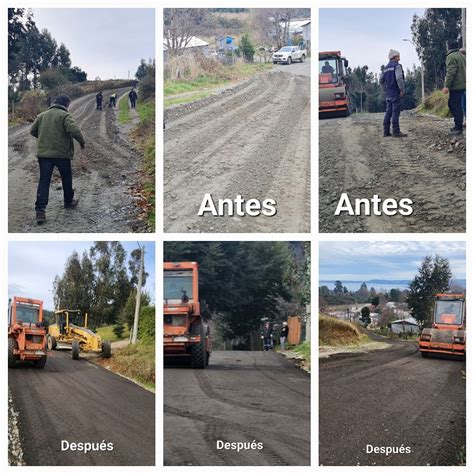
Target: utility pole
422 62
139 296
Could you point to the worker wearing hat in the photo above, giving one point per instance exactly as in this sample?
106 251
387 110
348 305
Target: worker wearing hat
393 83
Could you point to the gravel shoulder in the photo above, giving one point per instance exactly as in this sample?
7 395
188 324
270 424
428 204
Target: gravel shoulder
428 167
240 397
252 140
391 397
103 174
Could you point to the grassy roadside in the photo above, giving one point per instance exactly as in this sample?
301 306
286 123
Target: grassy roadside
123 115
188 90
436 104
107 333
143 135
135 362
334 332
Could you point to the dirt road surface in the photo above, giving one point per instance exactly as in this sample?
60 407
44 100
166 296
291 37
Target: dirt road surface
251 140
424 167
102 176
391 397
240 397
78 401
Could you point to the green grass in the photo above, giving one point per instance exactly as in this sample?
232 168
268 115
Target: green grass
107 332
303 350
186 98
124 116
211 81
146 111
136 362
436 104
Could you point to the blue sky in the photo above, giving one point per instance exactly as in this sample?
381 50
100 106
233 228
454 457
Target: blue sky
365 35
32 266
385 260
104 42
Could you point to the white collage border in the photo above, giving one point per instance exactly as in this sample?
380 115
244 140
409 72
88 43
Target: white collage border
160 237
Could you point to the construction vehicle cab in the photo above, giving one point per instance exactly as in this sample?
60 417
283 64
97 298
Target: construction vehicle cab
448 332
185 333
26 332
334 97
70 330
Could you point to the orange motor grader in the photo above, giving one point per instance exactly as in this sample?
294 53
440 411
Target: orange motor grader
185 333
447 335
26 332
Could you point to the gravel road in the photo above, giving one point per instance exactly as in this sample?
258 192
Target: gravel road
78 401
428 167
252 140
240 397
391 397
102 176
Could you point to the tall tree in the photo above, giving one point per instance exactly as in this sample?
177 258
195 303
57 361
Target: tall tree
433 277
430 33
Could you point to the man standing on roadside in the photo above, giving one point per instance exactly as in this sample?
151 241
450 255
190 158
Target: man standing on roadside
132 95
56 131
393 83
455 84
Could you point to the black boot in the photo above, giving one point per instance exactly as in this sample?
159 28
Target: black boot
40 217
71 205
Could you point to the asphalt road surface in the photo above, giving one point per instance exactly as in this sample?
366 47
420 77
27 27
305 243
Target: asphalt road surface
103 174
252 140
78 401
240 397
391 397
428 167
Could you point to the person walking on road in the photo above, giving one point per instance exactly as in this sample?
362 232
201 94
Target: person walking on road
393 83
98 100
455 84
113 100
284 335
56 131
132 95
267 336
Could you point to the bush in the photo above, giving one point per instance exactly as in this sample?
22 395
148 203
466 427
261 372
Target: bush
247 49
437 104
31 104
146 329
118 330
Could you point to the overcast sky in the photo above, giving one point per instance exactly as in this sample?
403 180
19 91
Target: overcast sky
365 35
104 42
32 267
385 260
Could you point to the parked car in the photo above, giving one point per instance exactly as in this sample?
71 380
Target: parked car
289 54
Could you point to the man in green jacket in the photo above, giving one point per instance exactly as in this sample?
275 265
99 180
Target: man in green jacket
56 131
455 84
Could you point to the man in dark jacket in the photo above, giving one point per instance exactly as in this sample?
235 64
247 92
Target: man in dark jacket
267 336
455 84
98 99
393 83
56 131
132 95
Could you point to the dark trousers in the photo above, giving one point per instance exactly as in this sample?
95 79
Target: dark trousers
46 166
392 114
133 102
455 107
99 105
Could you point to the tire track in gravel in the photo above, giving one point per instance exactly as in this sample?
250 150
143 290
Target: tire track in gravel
253 140
424 167
103 174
